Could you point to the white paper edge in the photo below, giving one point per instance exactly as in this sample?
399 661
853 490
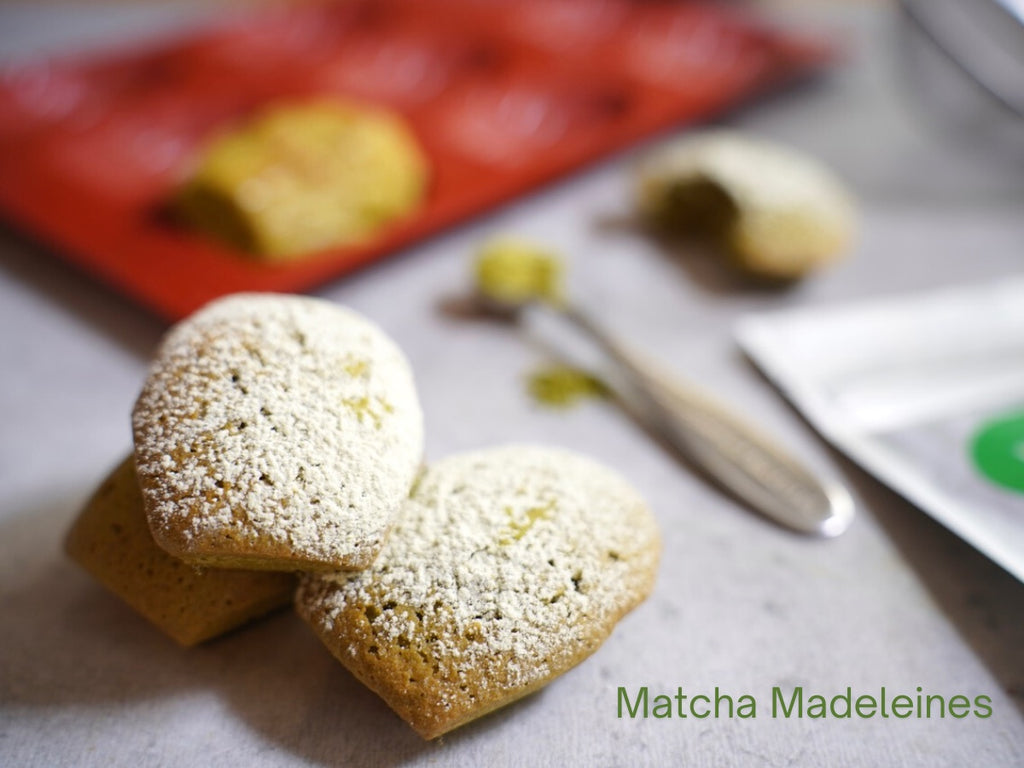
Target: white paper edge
758 343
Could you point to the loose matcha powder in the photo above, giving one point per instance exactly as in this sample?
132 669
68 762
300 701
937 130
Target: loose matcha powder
561 386
513 271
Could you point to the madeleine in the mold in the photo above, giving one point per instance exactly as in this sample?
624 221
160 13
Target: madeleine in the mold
303 177
507 567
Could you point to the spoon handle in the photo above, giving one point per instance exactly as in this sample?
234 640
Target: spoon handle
727 447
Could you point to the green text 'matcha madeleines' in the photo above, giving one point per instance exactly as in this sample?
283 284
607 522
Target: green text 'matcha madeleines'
796 703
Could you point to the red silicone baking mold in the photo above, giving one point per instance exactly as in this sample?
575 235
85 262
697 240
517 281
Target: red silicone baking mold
503 97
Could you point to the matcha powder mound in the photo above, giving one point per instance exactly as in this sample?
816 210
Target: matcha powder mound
516 271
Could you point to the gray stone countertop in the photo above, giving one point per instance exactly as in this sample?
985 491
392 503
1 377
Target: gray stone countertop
740 605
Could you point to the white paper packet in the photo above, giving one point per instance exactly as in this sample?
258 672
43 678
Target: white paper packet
924 391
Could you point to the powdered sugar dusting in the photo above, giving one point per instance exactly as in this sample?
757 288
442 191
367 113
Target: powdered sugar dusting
506 567
277 424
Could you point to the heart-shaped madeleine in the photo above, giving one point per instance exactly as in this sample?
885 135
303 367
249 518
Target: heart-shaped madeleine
276 432
507 568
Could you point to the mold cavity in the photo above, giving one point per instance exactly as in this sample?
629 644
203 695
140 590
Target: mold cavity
577 579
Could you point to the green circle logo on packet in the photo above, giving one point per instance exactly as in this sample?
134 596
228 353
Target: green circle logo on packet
998 451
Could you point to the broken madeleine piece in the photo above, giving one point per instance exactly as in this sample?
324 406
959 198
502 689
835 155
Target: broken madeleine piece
300 178
776 213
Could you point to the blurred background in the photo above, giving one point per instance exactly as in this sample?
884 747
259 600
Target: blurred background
908 102
531 118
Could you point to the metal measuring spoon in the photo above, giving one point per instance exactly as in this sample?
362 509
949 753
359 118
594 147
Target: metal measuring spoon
739 457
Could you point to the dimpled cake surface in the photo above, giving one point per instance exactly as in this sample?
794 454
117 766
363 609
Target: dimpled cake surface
276 432
111 540
507 567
